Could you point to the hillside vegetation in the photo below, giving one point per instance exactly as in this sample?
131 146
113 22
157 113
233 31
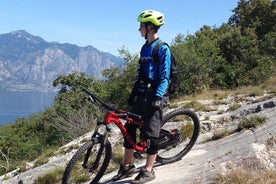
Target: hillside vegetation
237 57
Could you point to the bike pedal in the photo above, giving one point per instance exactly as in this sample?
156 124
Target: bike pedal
174 132
137 155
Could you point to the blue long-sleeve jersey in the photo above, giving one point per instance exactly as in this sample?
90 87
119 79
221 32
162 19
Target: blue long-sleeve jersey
157 73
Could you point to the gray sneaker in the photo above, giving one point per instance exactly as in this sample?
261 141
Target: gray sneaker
144 176
124 172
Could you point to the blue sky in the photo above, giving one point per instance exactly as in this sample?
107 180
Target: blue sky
109 25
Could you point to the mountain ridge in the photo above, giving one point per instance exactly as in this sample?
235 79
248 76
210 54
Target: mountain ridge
29 62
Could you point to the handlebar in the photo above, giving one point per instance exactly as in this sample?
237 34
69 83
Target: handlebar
121 113
97 100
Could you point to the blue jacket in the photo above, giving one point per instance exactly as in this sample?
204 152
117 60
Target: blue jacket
149 71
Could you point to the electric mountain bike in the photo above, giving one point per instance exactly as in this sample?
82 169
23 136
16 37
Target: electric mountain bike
180 129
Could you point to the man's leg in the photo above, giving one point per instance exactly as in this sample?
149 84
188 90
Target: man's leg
150 162
126 168
147 174
128 160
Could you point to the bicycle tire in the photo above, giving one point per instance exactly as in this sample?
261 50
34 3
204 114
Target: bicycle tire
185 126
76 173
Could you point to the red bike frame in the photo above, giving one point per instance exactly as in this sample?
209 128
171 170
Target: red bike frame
113 117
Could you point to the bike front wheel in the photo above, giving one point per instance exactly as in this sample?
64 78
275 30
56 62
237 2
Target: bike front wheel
88 164
178 135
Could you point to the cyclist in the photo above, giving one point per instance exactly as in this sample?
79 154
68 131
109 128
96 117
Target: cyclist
148 97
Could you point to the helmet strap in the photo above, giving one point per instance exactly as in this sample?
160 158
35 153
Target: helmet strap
147 31
146 36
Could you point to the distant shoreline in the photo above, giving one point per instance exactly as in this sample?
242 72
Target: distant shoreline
17 104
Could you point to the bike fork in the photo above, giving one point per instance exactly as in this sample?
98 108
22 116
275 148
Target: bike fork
97 161
84 164
98 139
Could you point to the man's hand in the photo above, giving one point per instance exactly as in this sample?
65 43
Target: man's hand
157 102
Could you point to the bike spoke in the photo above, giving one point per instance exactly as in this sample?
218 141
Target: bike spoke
178 135
81 170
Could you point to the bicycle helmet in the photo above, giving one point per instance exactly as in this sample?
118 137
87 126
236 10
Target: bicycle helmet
152 16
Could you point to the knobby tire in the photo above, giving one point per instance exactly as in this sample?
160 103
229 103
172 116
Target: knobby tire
95 174
186 123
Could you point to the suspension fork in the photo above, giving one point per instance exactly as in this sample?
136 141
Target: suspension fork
102 140
97 138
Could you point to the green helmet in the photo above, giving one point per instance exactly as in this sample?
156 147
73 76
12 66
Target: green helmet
155 17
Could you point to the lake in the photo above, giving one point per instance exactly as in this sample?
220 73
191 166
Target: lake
22 104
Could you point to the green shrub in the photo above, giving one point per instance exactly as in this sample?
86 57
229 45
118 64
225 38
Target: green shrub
52 177
252 122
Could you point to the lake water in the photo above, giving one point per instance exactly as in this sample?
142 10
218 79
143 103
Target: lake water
22 104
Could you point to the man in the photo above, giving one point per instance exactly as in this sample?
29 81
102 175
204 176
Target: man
148 96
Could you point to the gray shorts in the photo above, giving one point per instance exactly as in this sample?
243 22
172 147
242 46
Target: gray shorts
152 117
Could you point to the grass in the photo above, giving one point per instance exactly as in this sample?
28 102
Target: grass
268 87
252 122
116 158
51 177
65 150
245 123
44 158
218 134
245 176
249 170
234 107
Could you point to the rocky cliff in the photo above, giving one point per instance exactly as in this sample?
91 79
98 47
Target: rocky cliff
28 62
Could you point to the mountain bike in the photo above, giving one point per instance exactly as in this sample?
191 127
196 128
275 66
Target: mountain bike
180 129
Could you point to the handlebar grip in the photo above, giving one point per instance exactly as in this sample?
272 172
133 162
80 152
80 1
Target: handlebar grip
86 91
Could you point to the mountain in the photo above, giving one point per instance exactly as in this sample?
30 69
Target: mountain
29 62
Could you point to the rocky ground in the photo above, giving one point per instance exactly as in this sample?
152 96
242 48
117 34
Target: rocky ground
212 154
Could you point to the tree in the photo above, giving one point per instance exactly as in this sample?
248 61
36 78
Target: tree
5 163
254 15
73 114
120 83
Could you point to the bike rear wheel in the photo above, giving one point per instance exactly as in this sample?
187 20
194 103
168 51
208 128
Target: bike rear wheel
88 164
178 135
